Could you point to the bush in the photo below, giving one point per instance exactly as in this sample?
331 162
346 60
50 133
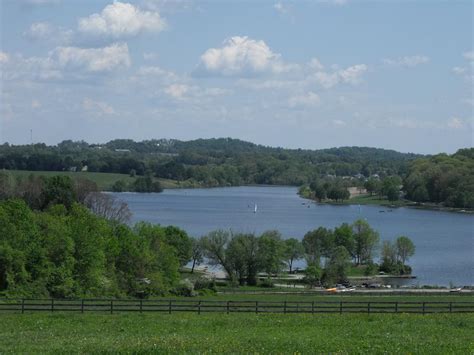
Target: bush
203 283
267 283
371 269
184 288
221 283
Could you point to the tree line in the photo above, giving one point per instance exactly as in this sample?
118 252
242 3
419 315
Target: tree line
329 254
443 179
205 162
446 179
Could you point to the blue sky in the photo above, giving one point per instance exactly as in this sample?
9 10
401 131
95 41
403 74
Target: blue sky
300 74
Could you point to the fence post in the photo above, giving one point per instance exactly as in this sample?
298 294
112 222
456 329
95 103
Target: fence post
169 307
111 306
312 307
22 305
396 307
423 308
228 307
340 307
368 307
284 308
297 307
141 306
52 304
199 307
450 307
256 306
82 305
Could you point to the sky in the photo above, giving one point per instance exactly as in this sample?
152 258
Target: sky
296 74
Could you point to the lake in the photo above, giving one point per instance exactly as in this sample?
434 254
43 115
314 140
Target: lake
444 241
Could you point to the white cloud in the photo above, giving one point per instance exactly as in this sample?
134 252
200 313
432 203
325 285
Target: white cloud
309 99
39 30
350 75
93 59
315 64
267 84
408 61
66 62
469 101
35 104
241 56
280 7
168 6
339 123
469 55
455 123
459 70
177 91
193 93
47 31
150 56
334 2
3 57
121 20
98 108
40 2
155 71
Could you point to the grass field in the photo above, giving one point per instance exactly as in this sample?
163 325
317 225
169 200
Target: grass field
308 296
103 180
236 333
373 200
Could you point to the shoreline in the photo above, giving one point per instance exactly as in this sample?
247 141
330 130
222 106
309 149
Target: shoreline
388 204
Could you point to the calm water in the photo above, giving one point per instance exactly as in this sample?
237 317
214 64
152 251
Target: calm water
444 241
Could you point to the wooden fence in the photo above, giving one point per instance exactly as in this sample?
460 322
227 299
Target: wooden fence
205 306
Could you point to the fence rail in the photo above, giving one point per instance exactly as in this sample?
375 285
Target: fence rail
205 306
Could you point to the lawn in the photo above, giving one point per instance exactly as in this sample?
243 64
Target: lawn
103 180
236 333
373 200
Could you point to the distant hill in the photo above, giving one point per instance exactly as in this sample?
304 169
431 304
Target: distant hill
206 162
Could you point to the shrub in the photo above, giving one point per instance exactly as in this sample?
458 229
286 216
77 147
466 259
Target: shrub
184 288
203 283
267 283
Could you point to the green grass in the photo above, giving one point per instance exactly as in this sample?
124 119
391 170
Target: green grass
236 333
373 200
103 180
357 271
309 296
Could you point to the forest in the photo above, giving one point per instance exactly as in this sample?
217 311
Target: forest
440 179
208 162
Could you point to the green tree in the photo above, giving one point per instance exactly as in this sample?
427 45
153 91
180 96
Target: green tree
180 240
312 276
119 186
293 250
197 252
344 236
318 243
372 185
337 266
405 249
388 257
271 252
59 190
366 242
215 245
244 257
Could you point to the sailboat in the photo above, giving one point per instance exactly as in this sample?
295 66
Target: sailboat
255 209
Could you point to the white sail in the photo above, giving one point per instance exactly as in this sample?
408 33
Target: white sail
255 209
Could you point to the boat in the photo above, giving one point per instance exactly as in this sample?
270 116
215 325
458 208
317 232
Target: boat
255 209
